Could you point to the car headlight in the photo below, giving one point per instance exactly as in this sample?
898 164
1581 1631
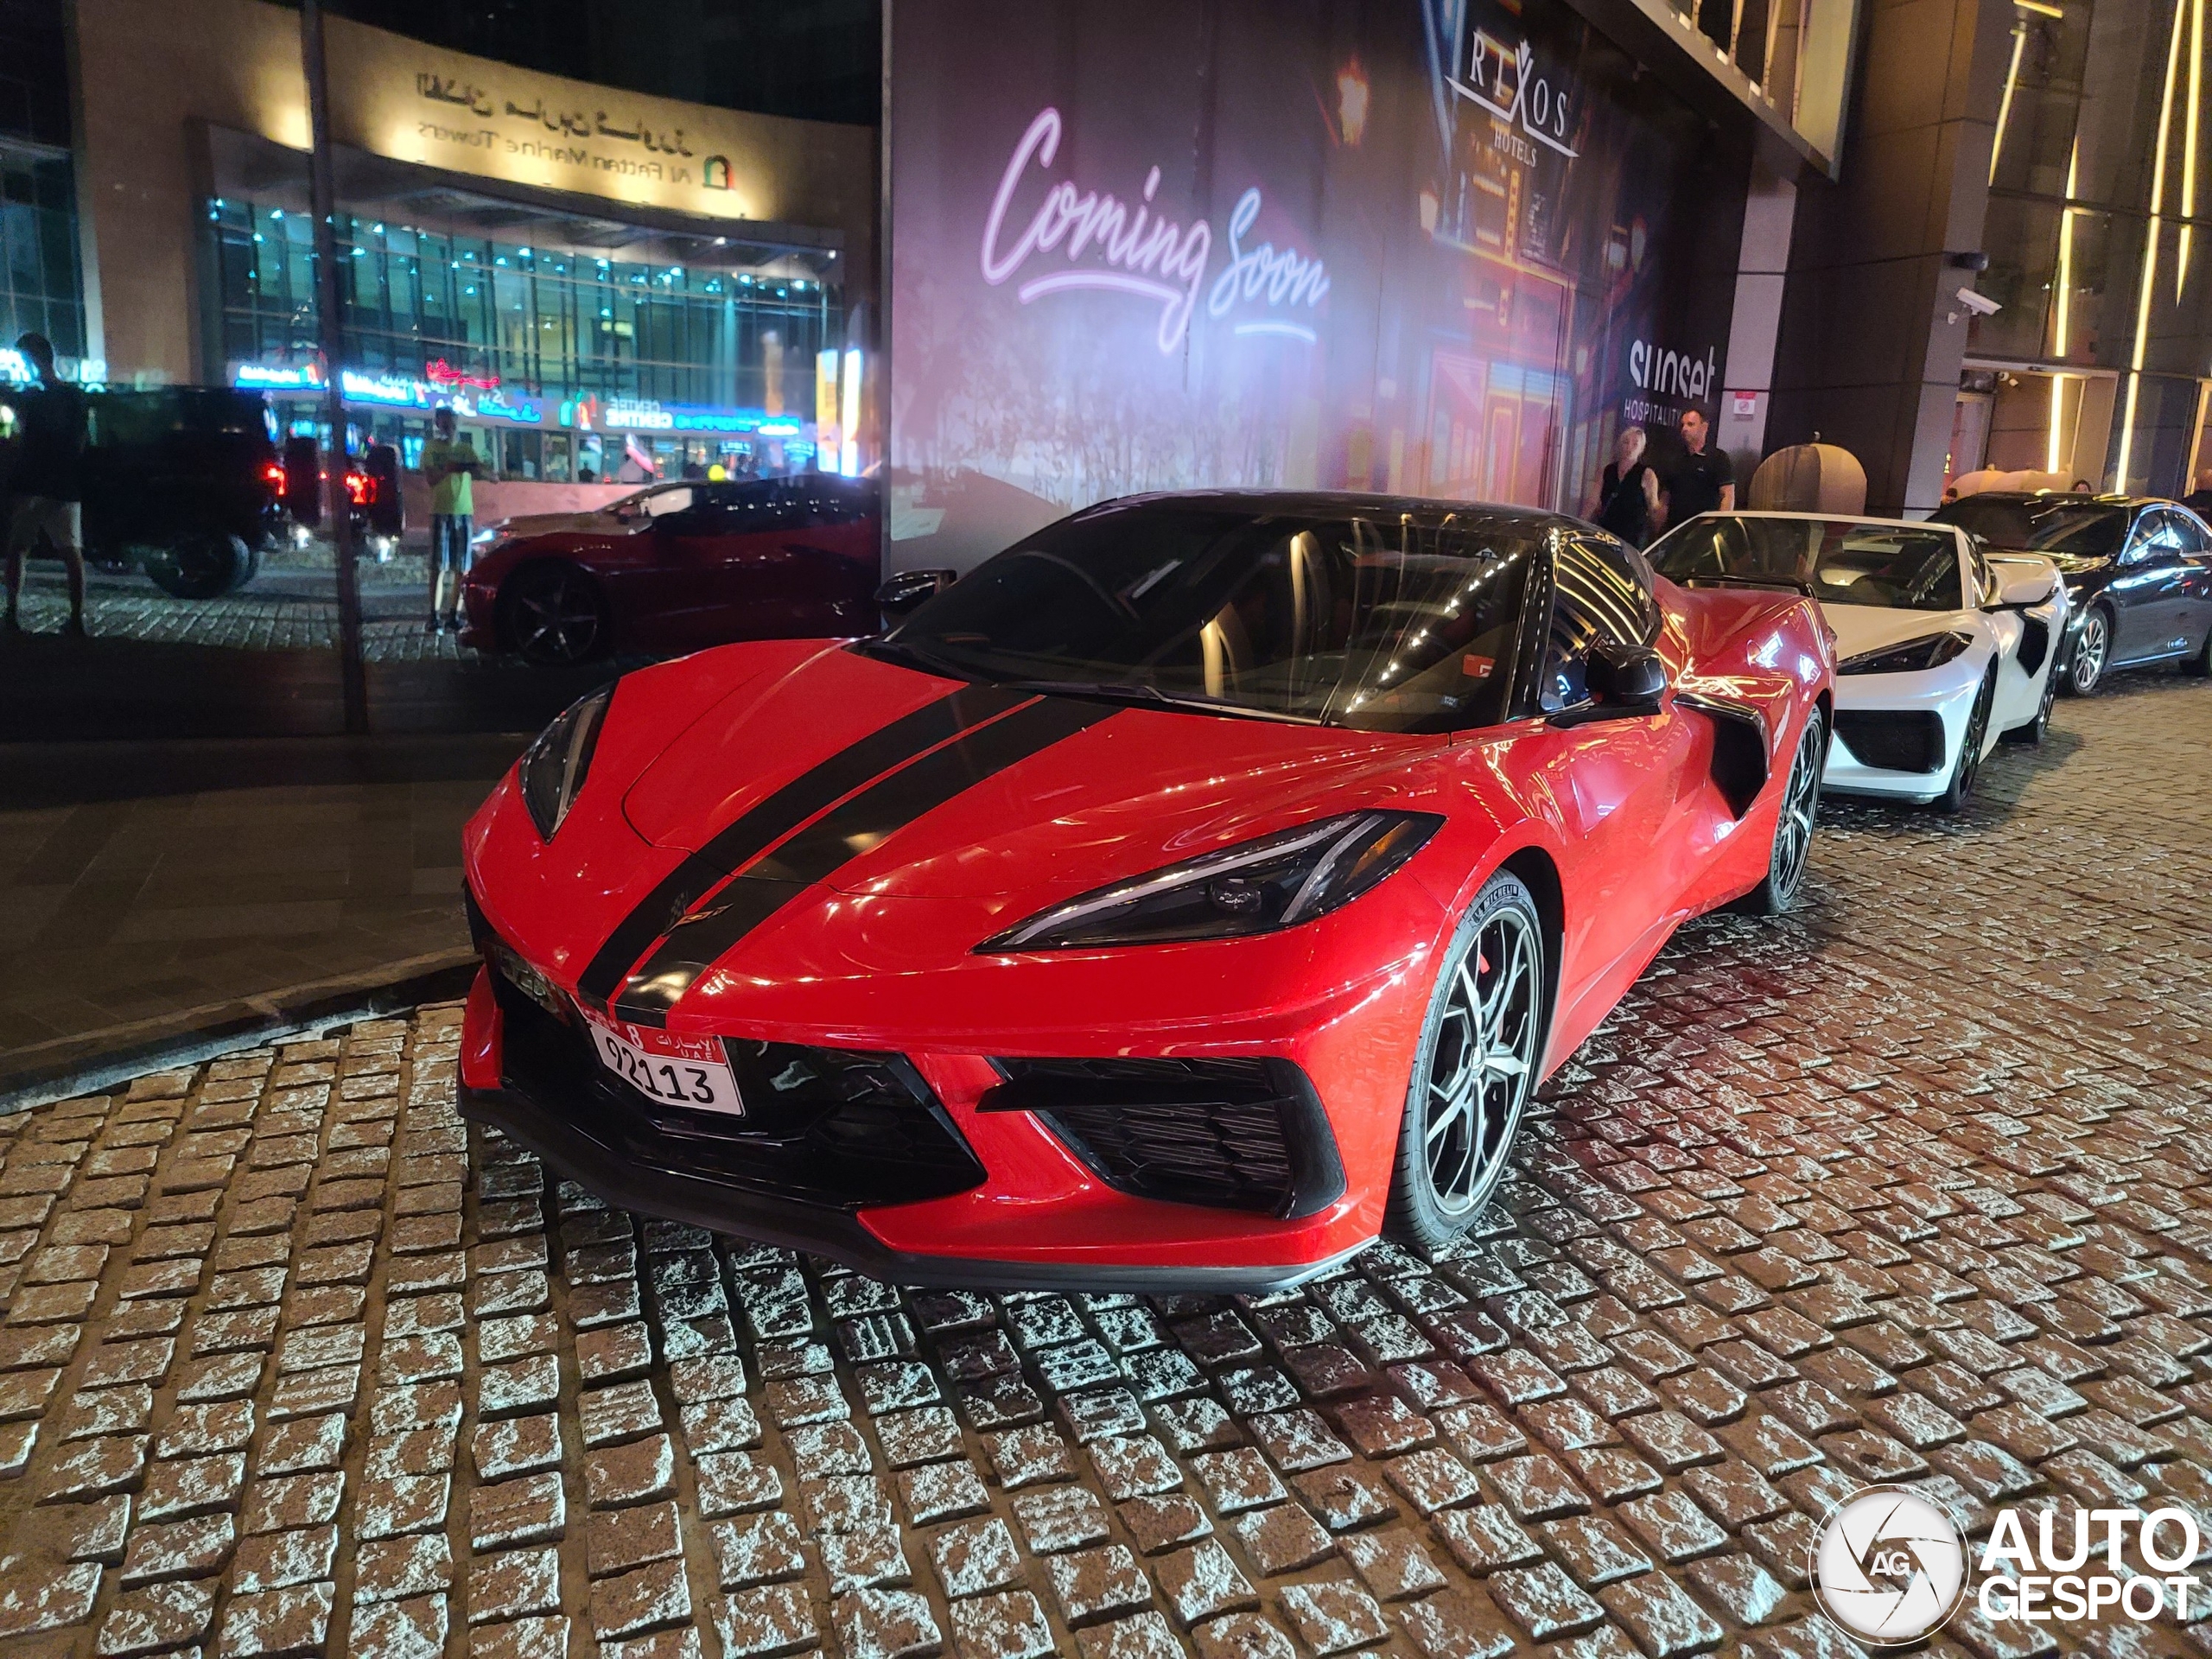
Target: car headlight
1275 882
552 769
1910 658
486 536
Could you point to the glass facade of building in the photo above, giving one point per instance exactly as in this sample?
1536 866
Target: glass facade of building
556 323
2099 237
40 289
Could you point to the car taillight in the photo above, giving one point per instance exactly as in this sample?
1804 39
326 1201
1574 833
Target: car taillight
272 475
360 489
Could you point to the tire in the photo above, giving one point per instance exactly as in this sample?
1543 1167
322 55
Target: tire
1792 851
206 565
1967 766
551 614
2200 666
2034 731
1481 1044
2092 654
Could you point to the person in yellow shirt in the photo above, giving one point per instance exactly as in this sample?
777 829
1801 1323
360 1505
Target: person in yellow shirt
451 465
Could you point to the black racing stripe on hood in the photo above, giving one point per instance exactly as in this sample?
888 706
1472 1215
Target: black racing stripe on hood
834 839
745 836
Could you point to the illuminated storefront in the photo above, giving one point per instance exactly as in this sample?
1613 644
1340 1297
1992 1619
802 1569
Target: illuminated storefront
562 264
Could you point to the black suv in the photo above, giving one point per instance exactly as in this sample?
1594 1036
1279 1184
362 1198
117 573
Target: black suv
185 480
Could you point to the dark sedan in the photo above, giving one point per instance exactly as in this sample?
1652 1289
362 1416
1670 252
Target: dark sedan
2137 570
677 567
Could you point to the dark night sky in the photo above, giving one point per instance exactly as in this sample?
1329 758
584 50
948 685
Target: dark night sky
814 59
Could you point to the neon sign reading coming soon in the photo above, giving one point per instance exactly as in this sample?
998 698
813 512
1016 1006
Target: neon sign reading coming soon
1135 251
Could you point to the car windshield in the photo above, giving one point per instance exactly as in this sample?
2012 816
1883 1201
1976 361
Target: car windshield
2057 523
1380 619
1838 562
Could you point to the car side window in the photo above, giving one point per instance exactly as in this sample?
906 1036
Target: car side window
1596 594
2190 535
2150 540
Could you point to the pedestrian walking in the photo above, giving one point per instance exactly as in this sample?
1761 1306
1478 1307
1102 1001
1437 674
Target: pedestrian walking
1627 490
451 465
45 504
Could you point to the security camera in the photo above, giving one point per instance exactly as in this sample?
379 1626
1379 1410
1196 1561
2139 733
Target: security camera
1980 304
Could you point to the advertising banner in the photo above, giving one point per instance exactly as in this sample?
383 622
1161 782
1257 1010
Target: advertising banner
1438 247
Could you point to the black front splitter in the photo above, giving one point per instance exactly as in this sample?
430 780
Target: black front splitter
824 1229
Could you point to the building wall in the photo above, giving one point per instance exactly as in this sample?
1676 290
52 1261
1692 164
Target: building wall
1872 333
156 74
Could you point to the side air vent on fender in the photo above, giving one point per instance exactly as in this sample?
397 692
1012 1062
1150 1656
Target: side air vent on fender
1739 747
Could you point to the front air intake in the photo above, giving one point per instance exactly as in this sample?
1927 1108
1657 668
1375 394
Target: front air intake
1230 1135
1892 740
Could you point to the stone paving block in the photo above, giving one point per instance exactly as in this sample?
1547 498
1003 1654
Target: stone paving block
1333 1617
34 1597
157 1619
513 1584
397 1569
771 1619
1011 1625
278 1622
412 1629
618 1542
525 1638
530 1509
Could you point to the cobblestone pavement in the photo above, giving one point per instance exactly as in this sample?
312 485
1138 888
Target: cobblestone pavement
290 606
1908 1187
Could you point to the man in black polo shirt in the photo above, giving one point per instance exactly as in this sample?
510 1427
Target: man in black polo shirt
1702 481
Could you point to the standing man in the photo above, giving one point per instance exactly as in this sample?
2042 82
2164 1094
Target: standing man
1702 481
2199 500
451 465
48 486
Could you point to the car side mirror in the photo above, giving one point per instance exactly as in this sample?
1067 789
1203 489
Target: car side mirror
1629 679
907 590
2024 590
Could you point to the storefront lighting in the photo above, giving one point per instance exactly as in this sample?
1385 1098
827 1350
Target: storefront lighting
848 418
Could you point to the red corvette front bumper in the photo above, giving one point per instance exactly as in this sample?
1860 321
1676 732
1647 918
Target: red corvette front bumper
1029 1212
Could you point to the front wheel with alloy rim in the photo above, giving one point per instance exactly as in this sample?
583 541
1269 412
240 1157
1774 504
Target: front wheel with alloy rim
2036 729
551 614
1793 825
1967 766
1481 1047
2085 668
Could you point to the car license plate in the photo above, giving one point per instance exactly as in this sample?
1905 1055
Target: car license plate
692 1072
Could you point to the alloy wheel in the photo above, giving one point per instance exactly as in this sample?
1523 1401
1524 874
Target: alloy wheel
1970 755
557 622
1793 840
2090 651
1484 1060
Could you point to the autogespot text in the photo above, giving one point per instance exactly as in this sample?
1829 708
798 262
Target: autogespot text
2049 1571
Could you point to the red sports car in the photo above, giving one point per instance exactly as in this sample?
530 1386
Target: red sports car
1190 893
677 567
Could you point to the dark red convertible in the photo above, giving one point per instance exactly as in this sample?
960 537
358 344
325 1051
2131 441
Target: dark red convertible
679 566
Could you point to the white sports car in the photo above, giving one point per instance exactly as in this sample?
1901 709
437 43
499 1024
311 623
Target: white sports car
1941 649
